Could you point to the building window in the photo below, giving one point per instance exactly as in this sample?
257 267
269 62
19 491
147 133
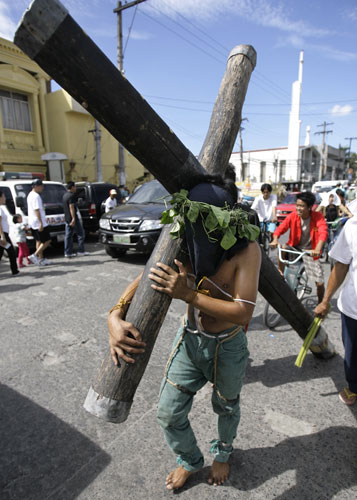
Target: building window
282 172
15 111
262 171
245 173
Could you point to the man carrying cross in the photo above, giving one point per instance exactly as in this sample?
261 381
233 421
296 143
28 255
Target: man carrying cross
219 282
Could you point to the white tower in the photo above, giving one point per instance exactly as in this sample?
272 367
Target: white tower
294 126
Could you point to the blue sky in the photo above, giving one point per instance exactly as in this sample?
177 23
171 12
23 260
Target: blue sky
176 56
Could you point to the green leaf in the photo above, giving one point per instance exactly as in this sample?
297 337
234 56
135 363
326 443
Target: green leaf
166 218
175 230
193 212
228 239
252 232
211 221
221 216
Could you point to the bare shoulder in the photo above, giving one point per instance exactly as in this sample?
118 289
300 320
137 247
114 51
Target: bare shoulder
251 255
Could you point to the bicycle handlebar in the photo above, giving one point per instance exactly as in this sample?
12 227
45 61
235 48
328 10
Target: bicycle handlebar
299 254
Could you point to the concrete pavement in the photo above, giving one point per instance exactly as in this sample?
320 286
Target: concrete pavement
295 441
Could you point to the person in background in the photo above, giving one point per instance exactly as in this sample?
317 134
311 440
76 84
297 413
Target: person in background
5 242
38 223
123 191
111 202
73 223
351 192
265 206
308 231
344 251
343 210
20 239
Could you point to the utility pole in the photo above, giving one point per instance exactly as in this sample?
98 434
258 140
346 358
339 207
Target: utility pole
323 163
120 58
98 153
349 150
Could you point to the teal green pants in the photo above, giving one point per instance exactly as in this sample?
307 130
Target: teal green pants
191 365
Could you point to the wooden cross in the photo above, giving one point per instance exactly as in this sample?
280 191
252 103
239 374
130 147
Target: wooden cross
50 36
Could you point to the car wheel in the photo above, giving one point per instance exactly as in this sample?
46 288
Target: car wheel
115 252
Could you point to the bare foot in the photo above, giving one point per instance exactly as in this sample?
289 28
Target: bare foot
219 473
177 478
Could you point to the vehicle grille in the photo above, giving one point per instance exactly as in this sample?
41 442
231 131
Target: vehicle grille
128 225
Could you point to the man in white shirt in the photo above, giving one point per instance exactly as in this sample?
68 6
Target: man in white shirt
344 252
265 206
111 202
37 222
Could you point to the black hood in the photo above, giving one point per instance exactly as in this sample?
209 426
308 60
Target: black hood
206 256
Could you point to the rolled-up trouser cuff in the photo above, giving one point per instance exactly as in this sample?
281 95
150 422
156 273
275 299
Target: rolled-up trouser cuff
188 466
221 451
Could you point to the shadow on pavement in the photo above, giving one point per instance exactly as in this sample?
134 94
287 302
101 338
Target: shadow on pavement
39 452
315 459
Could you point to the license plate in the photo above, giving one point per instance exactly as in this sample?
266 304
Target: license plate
55 220
60 237
121 238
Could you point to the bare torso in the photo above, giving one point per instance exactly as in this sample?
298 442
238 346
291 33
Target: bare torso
225 278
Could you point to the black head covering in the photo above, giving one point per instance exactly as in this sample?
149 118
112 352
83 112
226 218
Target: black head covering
207 256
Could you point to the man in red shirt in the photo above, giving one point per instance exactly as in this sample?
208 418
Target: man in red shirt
308 230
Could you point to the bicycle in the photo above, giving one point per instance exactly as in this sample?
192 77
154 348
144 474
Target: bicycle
265 236
296 277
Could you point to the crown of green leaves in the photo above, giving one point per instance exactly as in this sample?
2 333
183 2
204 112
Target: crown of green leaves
221 224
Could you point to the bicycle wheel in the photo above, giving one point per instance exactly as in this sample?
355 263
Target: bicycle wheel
266 243
270 317
301 283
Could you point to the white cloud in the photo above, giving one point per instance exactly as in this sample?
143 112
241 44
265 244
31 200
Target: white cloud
327 51
7 25
261 12
338 110
351 14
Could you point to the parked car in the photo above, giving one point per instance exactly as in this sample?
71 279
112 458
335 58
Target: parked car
90 197
16 187
136 224
287 206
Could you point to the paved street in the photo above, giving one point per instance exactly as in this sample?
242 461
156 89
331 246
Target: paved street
295 441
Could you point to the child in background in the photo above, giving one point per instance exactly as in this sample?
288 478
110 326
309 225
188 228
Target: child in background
20 238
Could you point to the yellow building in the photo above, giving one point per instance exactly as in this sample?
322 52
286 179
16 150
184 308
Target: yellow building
23 118
35 121
72 132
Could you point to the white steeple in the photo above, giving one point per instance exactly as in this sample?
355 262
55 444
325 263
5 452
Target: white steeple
294 124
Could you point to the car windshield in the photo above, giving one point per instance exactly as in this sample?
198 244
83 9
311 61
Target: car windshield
51 195
151 192
289 199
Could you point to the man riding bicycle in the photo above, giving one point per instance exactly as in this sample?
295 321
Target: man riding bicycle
265 206
308 231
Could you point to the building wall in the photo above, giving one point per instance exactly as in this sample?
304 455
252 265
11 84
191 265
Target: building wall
71 129
21 150
59 124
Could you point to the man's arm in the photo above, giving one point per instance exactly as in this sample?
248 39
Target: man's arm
322 235
72 210
336 279
3 241
245 287
124 338
38 215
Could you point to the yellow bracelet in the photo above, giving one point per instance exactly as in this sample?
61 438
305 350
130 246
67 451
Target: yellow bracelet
120 305
192 296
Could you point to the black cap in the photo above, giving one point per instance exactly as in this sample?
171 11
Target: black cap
37 182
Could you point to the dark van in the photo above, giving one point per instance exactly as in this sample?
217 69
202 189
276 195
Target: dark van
90 196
